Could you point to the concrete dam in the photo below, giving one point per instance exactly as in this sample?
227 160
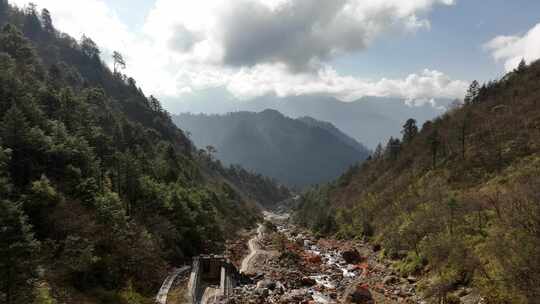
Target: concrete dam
212 276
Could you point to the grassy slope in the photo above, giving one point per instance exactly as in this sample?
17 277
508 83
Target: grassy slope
464 216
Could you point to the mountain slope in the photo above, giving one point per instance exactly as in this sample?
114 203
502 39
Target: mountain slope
334 131
292 151
359 119
458 202
100 192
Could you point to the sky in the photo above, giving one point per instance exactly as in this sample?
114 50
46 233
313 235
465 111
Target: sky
412 49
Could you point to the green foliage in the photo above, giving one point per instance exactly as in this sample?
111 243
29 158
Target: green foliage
42 295
18 254
130 296
412 264
99 175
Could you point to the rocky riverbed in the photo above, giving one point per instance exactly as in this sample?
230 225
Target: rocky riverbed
298 268
283 263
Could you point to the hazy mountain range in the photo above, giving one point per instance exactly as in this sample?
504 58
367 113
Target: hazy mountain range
298 152
369 120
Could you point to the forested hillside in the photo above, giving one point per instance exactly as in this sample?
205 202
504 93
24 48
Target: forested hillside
297 152
457 200
100 193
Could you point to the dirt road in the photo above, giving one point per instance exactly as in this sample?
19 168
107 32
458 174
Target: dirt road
254 250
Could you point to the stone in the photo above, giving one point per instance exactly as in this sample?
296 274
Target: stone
314 259
391 279
360 295
308 282
263 292
351 256
266 284
412 279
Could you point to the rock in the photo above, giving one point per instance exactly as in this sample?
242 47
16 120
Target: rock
412 279
471 298
294 296
360 295
266 284
351 256
314 259
263 292
308 282
391 279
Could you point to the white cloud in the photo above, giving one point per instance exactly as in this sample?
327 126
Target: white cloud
184 46
273 79
299 33
512 49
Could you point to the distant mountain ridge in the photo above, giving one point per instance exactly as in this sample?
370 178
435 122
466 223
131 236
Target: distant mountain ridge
298 152
335 131
369 120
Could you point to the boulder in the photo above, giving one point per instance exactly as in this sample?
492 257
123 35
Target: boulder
314 259
263 292
359 295
266 284
308 282
351 256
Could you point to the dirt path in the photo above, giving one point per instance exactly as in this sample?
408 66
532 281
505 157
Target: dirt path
254 250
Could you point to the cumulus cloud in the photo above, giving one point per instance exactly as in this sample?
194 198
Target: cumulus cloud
256 47
299 33
273 79
512 49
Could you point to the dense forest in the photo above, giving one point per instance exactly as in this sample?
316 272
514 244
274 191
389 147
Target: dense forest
457 199
297 152
100 193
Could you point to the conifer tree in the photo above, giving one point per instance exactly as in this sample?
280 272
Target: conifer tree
522 66
119 61
32 25
472 92
409 130
46 21
18 250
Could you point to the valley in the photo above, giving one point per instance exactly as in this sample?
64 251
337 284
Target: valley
287 264
298 179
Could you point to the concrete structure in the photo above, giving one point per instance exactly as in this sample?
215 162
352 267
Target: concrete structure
212 274
163 293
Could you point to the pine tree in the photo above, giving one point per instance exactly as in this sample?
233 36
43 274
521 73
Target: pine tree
17 136
119 61
410 130
89 47
32 25
393 147
472 92
46 21
378 153
522 66
18 250
434 142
